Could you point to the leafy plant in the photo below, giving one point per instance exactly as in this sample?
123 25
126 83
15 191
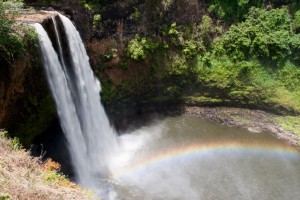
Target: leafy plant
139 48
11 43
16 145
190 49
296 22
3 133
179 66
173 31
232 10
5 196
96 20
265 35
136 14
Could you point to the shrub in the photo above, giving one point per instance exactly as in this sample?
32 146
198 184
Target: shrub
139 48
136 14
296 22
11 43
5 196
3 133
199 37
173 31
265 35
190 49
51 165
16 145
232 10
96 20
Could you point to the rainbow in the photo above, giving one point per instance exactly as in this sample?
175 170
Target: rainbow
201 149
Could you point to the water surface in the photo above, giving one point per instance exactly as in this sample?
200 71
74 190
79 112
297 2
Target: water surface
187 158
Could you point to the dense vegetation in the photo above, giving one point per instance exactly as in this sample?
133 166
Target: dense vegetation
257 60
236 10
248 59
14 36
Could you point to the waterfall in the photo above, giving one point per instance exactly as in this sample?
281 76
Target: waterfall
75 89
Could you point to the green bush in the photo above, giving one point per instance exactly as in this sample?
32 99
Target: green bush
179 66
16 144
136 15
198 38
265 35
11 42
5 196
289 76
96 20
296 22
251 81
233 10
139 48
3 133
190 49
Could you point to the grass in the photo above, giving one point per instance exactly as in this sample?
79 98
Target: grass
26 177
287 99
202 100
241 119
289 123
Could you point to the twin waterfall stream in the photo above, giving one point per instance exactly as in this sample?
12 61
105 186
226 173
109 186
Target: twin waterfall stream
175 158
76 94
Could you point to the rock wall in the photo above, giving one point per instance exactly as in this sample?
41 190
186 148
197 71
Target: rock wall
25 102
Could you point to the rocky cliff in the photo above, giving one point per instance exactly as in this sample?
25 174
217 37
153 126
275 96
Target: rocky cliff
25 102
147 55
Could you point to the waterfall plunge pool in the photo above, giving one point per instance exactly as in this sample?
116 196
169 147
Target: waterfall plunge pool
188 158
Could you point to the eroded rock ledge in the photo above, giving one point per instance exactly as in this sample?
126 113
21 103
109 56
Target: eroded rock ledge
36 16
253 120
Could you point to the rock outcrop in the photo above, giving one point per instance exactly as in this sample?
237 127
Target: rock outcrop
26 105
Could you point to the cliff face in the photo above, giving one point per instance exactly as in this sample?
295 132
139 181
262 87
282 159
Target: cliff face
149 52
25 101
129 83
121 21
17 81
26 104
168 40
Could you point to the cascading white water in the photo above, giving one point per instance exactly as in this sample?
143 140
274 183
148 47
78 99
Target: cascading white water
61 57
90 137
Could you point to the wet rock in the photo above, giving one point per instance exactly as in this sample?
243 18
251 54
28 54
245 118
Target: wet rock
50 9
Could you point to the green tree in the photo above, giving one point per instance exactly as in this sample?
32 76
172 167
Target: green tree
10 40
266 35
235 10
139 48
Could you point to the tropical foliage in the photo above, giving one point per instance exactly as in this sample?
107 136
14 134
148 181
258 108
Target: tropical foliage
256 62
14 36
10 40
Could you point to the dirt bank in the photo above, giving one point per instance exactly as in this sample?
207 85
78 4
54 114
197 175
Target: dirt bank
253 120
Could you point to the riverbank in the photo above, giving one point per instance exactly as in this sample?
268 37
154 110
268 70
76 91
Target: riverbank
257 121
